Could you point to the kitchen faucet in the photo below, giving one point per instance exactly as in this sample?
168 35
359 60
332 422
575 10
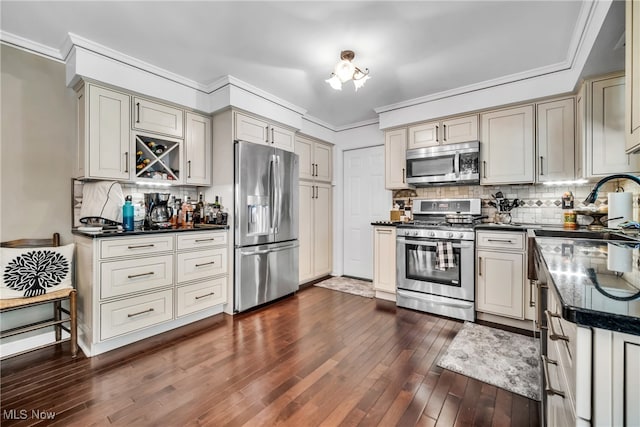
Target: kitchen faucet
591 198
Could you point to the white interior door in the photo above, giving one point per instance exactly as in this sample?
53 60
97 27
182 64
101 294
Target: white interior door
365 200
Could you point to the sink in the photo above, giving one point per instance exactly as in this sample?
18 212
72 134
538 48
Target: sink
596 235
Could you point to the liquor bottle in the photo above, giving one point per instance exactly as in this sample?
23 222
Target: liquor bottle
187 208
200 209
127 214
179 213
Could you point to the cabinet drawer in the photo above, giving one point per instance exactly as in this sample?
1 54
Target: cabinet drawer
135 246
200 240
158 118
560 409
131 314
498 240
201 264
135 275
198 296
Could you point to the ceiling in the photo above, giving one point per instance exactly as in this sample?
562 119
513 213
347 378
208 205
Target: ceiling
412 48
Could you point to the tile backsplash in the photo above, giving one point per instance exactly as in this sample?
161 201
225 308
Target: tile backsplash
540 204
137 196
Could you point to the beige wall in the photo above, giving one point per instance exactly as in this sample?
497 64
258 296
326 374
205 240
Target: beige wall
36 146
36 149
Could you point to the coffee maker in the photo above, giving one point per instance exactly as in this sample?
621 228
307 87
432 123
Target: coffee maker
158 211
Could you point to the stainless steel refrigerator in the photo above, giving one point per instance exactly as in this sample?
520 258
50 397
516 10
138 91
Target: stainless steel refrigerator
266 224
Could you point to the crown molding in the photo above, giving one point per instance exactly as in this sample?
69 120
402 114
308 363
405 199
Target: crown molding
30 46
575 54
79 41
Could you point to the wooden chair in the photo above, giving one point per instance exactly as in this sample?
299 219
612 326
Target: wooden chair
58 322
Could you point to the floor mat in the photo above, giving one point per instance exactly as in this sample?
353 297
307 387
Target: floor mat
504 359
349 285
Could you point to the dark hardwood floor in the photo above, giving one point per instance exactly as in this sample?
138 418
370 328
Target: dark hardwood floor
320 357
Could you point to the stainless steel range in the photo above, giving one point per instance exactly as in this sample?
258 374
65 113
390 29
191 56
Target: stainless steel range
440 225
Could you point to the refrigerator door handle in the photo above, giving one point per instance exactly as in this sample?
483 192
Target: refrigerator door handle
278 194
272 192
266 251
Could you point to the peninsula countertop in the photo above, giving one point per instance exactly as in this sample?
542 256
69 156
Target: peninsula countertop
597 281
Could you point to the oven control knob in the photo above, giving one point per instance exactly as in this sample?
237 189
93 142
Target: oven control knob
449 234
432 233
415 233
461 236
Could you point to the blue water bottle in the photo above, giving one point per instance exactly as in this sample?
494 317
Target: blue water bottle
127 214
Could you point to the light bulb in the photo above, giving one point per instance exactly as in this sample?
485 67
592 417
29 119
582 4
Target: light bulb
335 82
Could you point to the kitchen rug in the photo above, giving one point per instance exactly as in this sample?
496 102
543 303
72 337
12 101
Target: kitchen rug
504 359
349 285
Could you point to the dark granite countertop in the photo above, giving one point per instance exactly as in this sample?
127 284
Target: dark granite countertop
597 281
122 233
386 223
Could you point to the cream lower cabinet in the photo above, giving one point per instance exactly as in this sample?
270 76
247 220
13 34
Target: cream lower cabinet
500 273
384 262
130 288
315 237
507 146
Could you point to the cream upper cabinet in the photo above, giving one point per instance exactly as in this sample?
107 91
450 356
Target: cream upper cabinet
450 131
384 262
555 122
252 129
507 146
103 133
197 151
395 152
315 159
600 151
632 73
150 116
315 236
581 131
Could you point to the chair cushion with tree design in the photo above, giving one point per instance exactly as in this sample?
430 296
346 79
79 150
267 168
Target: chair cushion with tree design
30 272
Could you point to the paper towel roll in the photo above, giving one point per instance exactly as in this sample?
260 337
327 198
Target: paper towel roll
620 205
619 258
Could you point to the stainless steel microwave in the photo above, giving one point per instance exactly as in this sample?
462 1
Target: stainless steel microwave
449 164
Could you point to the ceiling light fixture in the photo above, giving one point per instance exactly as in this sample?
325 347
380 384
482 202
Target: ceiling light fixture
345 71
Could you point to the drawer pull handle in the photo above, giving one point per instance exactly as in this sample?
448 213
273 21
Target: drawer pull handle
141 246
500 240
133 276
547 387
204 240
205 263
139 313
553 336
206 295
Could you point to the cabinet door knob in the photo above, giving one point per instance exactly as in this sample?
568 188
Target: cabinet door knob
541 166
189 169
403 176
126 162
484 168
137 112
436 133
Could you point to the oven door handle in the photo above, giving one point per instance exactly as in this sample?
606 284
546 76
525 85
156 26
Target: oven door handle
461 245
425 298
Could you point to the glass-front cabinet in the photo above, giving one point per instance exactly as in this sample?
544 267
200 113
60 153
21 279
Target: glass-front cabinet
157 159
